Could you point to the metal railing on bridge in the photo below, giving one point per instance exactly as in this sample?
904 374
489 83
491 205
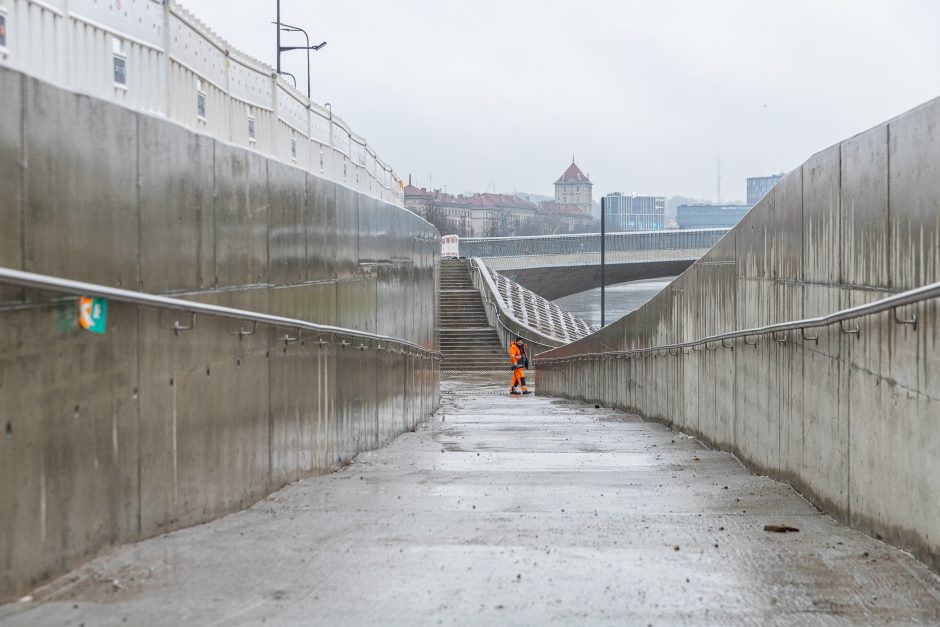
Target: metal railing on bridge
542 324
589 243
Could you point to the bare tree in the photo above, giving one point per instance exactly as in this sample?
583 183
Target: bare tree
432 211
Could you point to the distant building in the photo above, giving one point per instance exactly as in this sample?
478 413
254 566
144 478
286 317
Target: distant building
494 215
574 188
570 218
710 216
634 213
758 186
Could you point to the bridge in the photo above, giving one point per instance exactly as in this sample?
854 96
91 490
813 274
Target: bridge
222 398
558 265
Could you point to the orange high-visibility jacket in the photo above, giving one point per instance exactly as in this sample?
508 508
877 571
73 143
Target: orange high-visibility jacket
515 356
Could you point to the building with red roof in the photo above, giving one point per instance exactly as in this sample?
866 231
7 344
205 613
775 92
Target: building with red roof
574 187
492 215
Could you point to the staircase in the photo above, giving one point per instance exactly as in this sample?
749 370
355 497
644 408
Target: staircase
467 339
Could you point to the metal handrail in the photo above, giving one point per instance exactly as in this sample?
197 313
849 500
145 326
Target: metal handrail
80 288
909 297
501 306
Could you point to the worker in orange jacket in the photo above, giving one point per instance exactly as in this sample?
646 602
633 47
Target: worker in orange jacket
518 360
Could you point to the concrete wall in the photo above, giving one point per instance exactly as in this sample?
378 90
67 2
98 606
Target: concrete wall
109 439
850 420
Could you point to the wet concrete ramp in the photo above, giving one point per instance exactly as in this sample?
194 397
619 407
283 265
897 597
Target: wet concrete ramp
508 511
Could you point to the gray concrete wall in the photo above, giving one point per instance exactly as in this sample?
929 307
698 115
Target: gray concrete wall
113 438
851 420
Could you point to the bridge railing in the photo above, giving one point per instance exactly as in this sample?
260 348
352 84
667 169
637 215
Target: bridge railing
589 243
156 57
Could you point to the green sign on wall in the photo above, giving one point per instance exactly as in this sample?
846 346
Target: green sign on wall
92 313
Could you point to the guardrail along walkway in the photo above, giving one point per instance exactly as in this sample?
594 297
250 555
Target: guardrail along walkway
508 510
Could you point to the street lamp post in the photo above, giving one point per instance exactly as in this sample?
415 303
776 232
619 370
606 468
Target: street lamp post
603 238
293 29
277 26
292 77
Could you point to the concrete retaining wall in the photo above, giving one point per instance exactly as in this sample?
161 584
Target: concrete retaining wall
112 438
851 420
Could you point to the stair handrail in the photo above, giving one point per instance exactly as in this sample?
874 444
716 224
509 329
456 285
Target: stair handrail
81 288
909 297
501 310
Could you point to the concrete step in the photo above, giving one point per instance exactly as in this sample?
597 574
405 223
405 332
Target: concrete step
488 354
469 316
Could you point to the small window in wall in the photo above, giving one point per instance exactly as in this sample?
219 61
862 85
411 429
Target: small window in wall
252 133
293 148
345 164
321 161
120 63
3 29
200 99
357 178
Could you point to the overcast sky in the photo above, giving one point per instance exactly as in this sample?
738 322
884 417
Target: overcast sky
648 96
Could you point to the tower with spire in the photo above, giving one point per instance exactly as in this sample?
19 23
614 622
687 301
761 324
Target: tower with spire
574 188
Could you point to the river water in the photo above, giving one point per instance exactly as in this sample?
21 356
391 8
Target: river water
622 298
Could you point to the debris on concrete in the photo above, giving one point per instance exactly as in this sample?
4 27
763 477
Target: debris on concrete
780 529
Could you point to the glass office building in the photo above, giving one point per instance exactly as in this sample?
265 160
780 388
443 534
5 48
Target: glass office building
709 216
758 186
634 213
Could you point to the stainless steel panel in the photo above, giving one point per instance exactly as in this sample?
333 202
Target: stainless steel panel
347 232
176 178
82 218
370 231
287 235
315 302
241 217
356 304
12 161
321 229
392 310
